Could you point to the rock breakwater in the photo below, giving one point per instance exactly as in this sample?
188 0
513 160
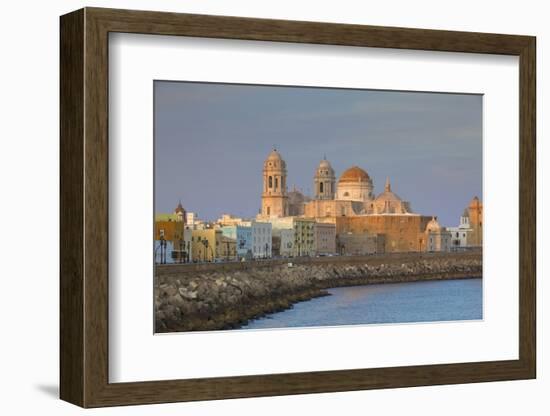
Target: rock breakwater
218 296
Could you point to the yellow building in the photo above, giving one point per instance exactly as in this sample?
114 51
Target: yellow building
206 244
475 212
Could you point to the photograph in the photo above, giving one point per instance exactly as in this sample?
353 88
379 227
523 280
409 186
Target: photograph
299 207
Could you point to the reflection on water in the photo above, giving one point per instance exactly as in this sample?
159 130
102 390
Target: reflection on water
443 300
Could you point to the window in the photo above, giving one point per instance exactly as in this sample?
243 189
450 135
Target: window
276 182
321 188
270 185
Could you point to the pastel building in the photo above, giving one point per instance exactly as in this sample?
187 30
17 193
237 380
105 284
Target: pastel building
242 235
206 244
261 238
304 236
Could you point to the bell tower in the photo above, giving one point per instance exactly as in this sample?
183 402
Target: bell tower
274 195
324 181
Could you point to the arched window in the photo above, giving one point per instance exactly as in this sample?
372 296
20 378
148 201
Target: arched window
271 182
321 188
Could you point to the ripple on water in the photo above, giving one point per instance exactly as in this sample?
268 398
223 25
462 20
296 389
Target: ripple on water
428 301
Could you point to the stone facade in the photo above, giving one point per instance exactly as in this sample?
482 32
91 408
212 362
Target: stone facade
402 233
324 181
274 195
325 238
350 244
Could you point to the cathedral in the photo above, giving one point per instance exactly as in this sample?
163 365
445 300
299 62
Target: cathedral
351 204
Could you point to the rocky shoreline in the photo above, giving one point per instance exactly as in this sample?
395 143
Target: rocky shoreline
192 298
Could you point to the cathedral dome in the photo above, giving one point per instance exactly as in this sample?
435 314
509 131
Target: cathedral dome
354 174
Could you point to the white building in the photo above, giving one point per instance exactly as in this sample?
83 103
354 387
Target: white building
460 235
261 238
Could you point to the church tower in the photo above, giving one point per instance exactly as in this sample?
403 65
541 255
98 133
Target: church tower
475 211
274 195
324 181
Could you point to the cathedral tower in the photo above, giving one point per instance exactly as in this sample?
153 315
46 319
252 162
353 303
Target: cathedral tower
274 195
324 181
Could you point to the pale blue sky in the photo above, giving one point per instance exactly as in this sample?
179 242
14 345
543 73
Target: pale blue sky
211 141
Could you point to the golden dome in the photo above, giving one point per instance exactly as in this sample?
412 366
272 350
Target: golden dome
354 174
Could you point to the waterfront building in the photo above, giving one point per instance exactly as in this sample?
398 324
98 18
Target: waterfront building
324 238
168 229
242 235
353 244
287 239
261 238
475 213
274 195
206 244
304 236
228 249
461 235
437 237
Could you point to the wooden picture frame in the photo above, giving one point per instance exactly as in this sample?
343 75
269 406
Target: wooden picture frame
84 207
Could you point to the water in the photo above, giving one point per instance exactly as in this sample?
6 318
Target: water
430 301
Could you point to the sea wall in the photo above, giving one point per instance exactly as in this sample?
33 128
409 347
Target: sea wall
227 295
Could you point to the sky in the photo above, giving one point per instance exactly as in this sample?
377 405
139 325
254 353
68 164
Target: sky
211 141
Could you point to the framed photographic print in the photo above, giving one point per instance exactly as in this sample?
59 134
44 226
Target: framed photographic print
255 207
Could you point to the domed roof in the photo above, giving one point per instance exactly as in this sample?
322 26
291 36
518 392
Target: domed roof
433 225
324 164
274 155
354 174
388 194
296 197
